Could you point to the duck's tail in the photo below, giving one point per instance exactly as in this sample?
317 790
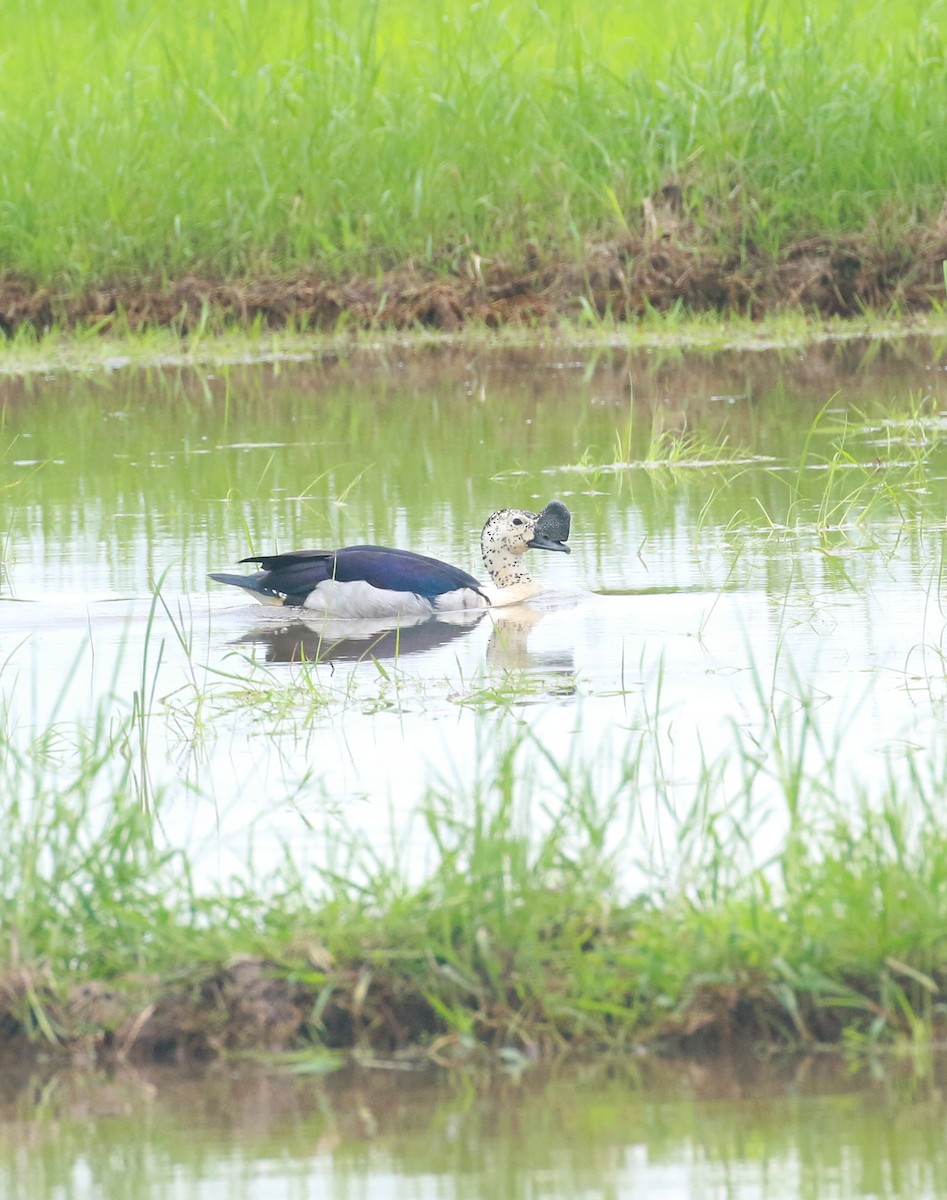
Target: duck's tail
250 583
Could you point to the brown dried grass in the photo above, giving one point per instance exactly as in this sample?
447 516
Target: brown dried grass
672 262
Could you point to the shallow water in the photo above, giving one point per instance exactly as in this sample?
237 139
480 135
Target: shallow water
636 1129
780 554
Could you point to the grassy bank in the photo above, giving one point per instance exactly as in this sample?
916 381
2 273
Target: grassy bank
523 936
323 164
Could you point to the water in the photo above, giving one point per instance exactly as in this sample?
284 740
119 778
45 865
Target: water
751 534
632 1130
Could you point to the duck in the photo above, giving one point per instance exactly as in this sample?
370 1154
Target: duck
380 582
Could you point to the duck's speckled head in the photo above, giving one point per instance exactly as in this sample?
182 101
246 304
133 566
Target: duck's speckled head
511 530
516 530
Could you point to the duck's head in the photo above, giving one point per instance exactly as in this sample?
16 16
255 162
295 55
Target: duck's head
517 530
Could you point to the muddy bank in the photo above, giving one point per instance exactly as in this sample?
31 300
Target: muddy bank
670 263
258 1007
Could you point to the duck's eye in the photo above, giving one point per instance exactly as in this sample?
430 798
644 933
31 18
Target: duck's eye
517 520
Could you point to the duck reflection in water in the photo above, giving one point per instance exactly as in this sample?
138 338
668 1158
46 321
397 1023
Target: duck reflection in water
320 641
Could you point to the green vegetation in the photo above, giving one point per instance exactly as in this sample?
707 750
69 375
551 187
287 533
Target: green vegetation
30 352
237 141
541 923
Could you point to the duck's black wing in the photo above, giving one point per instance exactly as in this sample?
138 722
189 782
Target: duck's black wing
295 574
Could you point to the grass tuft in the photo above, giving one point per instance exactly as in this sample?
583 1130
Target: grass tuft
542 920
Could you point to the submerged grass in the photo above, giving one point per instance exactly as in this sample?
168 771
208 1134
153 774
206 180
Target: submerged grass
858 471
542 921
57 349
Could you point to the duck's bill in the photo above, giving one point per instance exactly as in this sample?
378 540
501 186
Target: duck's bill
540 542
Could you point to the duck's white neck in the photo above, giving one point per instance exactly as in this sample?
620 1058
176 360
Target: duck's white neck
505 539
510 582
505 568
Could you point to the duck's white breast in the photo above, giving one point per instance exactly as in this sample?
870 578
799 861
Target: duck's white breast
358 600
501 597
461 600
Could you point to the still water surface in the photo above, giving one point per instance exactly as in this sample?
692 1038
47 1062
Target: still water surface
714 1131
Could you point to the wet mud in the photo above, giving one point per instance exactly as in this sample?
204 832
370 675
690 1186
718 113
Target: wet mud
671 263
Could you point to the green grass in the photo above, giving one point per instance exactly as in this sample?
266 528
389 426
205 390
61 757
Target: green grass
525 932
237 139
